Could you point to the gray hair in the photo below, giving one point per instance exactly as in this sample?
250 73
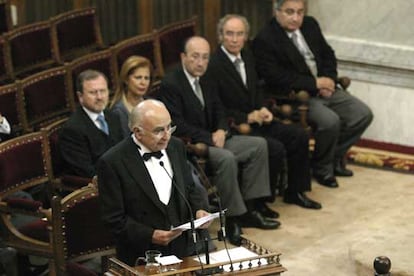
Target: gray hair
279 3
227 17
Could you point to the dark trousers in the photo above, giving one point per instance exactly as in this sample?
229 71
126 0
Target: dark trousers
290 143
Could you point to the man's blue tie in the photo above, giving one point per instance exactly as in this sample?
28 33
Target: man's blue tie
103 124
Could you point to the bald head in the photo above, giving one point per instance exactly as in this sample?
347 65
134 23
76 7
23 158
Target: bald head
146 110
151 124
195 56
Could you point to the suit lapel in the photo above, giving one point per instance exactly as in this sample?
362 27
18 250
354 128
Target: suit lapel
290 49
231 69
176 164
185 84
135 165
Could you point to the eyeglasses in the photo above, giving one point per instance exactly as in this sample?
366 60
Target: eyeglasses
291 12
96 92
161 131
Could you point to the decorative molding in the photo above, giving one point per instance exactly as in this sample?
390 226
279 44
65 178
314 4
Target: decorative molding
374 62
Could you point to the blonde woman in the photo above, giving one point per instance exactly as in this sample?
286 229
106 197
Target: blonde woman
135 80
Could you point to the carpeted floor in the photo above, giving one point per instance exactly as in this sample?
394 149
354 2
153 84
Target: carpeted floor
369 215
381 159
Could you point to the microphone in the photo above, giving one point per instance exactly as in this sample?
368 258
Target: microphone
221 235
194 234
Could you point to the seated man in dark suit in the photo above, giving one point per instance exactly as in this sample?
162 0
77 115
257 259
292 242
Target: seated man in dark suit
196 109
145 187
91 130
4 128
240 93
292 55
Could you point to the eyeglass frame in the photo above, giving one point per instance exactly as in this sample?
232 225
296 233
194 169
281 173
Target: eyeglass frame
96 92
160 131
291 12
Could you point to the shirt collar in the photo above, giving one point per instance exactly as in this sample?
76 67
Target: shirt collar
141 148
231 56
92 115
297 32
190 78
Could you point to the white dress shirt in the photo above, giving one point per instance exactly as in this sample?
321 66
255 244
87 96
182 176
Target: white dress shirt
5 126
94 117
162 181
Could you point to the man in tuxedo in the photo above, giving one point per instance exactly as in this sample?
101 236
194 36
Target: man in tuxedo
146 188
91 130
233 68
198 113
292 55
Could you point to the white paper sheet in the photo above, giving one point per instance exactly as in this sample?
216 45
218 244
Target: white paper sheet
197 222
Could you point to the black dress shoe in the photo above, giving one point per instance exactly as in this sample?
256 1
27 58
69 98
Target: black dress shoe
340 170
233 232
302 200
255 219
326 180
266 211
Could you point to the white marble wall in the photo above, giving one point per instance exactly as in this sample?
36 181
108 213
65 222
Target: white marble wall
374 43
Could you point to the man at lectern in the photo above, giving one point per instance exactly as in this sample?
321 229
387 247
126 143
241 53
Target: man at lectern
146 188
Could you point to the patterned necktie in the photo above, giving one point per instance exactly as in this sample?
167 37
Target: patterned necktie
103 124
198 91
148 155
306 53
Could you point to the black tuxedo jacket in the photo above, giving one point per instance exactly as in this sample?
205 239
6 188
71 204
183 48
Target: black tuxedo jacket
282 66
81 143
191 119
238 99
130 203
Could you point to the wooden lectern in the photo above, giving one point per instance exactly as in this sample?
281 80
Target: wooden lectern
189 266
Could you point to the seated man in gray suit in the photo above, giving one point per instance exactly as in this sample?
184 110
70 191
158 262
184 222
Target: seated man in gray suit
91 130
292 55
196 109
233 68
146 188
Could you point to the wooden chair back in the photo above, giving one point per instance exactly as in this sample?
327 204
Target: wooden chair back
51 132
11 106
76 33
172 38
31 48
146 45
24 163
5 16
78 231
47 97
101 61
60 181
5 61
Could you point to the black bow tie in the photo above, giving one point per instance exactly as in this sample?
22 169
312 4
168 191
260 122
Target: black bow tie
148 155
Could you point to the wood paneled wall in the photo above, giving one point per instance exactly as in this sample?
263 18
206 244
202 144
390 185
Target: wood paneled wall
121 19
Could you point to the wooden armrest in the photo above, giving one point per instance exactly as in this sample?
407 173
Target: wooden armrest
23 204
242 128
344 82
75 181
